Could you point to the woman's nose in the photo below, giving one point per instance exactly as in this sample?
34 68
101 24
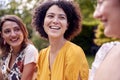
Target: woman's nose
55 20
97 13
13 33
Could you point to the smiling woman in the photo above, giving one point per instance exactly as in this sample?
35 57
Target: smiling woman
107 59
59 22
18 54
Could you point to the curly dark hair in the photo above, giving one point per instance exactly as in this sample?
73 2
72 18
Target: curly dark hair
72 11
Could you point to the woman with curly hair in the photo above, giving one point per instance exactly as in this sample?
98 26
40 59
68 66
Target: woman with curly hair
59 22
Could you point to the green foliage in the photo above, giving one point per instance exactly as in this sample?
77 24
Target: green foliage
85 38
87 8
22 10
39 42
90 60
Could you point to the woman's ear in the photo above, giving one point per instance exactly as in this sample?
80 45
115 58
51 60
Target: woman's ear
0 34
68 24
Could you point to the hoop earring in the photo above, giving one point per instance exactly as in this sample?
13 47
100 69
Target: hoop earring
4 42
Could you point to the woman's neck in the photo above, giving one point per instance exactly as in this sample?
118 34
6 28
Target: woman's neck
16 50
56 45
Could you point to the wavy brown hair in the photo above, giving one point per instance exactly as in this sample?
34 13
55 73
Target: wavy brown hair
5 48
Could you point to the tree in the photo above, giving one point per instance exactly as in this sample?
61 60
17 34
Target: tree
87 8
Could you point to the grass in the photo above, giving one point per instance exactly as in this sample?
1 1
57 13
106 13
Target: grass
90 59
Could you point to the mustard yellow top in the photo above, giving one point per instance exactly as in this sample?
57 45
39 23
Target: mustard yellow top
68 65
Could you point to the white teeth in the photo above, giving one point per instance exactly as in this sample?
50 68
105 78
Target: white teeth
14 39
55 27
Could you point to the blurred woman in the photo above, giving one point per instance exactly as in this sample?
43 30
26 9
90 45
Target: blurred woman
107 61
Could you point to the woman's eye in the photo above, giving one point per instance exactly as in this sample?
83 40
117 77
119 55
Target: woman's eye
7 31
50 16
62 17
17 29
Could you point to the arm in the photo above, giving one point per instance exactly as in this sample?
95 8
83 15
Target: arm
31 56
1 76
28 71
76 65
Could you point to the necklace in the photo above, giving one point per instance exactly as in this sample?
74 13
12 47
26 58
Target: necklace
12 53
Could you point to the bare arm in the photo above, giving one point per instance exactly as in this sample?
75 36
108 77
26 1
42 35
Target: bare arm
28 71
1 76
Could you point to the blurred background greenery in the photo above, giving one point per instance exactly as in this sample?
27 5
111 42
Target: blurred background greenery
90 39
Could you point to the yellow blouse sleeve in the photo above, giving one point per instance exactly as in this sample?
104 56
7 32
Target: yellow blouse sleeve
38 65
40 62
76 65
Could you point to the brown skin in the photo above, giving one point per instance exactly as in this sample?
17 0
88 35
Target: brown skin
28 71
1 77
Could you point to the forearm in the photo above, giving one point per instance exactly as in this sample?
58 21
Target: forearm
1 76
28 71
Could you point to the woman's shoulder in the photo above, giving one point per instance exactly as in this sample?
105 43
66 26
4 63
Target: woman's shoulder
45 49
43 54
30 47
73 46
116 49
74 50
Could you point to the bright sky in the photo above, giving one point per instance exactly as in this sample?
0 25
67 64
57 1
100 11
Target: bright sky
3 3
30 5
